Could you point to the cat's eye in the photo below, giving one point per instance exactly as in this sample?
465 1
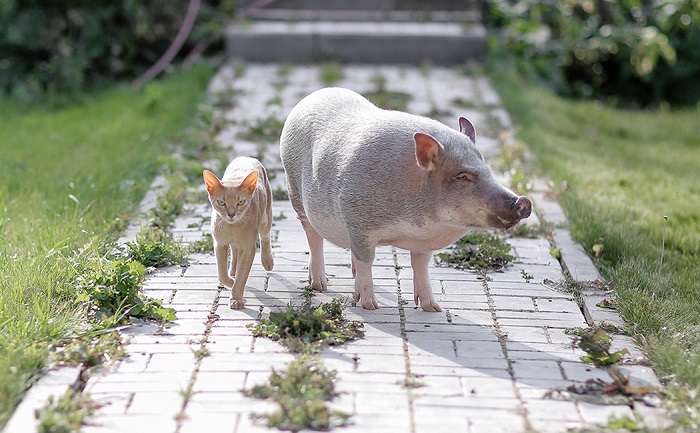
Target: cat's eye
241 202
221 203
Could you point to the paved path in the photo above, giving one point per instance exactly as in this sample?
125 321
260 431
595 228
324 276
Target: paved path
486 361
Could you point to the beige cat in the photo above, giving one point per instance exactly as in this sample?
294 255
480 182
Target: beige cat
242 209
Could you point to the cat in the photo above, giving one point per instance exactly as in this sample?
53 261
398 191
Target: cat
241 210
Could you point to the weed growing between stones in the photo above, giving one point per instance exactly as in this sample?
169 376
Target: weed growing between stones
112 291
154 247
65 414
331 73
305 328
385 98
203 245
477 251
280 194
304 388
89 350
596 342
301 391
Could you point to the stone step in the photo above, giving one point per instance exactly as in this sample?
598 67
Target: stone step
276 14
356 42
381 5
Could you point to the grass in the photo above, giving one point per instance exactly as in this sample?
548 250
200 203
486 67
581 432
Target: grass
71 177
626 171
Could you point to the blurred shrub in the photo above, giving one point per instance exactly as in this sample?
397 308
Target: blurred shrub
65 46
633 52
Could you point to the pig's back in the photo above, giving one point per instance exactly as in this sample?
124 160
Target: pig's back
348 163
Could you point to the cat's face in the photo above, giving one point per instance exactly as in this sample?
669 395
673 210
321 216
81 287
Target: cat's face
229 199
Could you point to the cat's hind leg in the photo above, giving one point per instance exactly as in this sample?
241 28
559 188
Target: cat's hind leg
268 261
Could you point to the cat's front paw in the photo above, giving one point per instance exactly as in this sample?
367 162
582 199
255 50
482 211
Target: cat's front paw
236 303
268 261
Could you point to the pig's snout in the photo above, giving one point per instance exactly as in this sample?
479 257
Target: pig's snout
522 207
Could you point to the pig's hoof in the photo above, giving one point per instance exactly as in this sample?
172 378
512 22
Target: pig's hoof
369 303
320 284
430 306
236 304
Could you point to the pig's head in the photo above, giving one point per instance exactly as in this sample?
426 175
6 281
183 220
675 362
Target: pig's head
470 196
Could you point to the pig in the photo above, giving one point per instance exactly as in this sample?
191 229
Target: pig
360 176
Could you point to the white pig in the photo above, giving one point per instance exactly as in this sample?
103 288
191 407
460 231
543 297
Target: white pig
360 176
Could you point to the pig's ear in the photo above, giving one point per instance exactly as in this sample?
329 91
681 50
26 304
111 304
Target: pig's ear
211 181
466 128
250 181
427 150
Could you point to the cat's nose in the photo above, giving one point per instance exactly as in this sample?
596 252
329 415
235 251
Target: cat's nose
231 214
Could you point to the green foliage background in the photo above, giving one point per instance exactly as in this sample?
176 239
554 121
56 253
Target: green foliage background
630 52
65 46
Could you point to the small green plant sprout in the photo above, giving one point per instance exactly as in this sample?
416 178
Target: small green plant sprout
280 194
478 251
90 350
65 414
387 99
410 382
596 343
610 304
331 73
306 327
264 129
301 391
527 277
203 245
280 217
201 352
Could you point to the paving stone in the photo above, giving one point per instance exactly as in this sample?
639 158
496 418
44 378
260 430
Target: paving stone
470 384
552 410
213 422
381 403
161 423
523 369
505 423
155 403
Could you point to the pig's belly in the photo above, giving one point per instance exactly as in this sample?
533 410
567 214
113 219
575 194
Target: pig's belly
411 238
331 229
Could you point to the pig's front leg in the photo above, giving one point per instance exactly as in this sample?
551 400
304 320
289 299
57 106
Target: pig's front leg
362 271
422 291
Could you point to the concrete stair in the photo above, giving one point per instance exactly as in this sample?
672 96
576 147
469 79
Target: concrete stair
442 32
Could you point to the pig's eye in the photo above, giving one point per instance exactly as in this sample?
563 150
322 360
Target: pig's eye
469 177
221 203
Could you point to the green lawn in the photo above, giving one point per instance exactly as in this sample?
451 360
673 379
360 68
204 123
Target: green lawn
70 178
626 170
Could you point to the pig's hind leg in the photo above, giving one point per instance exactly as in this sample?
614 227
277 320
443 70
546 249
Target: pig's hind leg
422 291
362 259
317 265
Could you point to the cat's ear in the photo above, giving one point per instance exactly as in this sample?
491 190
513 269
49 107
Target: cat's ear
250 182
213 183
